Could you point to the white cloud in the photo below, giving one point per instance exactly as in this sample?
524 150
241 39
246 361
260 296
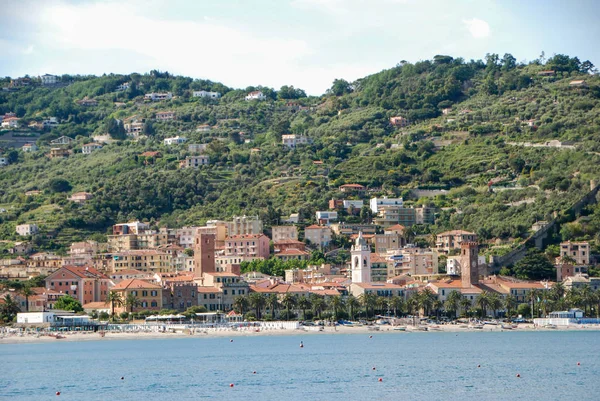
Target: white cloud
477 27
28 50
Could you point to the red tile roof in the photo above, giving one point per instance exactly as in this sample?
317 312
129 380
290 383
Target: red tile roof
135 283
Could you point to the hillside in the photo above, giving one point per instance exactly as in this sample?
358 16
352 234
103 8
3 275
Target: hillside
467 126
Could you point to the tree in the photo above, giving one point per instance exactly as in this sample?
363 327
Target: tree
510 303
68 303
27 292
114 299
508 62
241 303
453 302
304 304
318 304
258 302
353 304
58 185
131 302
9 308
534 266
465 304
272 301
482 302
340 87
115 129
336 305
368 301
397 304
289 301
495 302
12 156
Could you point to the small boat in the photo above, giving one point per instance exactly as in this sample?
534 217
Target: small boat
373 328
476 326
550 326
400 328
507 327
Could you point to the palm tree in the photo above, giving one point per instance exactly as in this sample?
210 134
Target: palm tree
9 308
437 307
382 305
241 303
318 304
132 302
453 302
273 303
397 304
510 303
337 303
289 301
114 299
426 299
534 296
27 292
465 304
412 304
495 302
586 298
368 300
258 302
304 304
482 302
353 304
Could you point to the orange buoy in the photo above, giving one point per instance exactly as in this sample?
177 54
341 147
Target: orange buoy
231 385
518 375
380 379
58 393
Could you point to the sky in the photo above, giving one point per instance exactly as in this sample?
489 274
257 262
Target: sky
304 43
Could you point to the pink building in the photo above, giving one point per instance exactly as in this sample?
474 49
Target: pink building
253 245
85 284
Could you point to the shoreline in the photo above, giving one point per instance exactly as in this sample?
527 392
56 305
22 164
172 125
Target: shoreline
230 333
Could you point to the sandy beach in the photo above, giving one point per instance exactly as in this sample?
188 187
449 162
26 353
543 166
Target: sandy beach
6 338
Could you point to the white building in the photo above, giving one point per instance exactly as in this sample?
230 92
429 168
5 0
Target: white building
318 235
256 95
123 87
88 148
195 161
326 217
29 147
48 79
175 140
357 204
361 261
10 122
244 225
4 161
35 317
197 147
284 233
211 95
292 140
156 97
51 122
27 229
376 203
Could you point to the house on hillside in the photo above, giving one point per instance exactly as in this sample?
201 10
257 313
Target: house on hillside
58 153
580 83
211 95
87 102
156 97
80 197
48 79
197 147
256 95
63 140
546 73
398 121
292 140
88 148
353 188
177 140
165 115
10 122
123 87
203 128
29 147
26 229
194 161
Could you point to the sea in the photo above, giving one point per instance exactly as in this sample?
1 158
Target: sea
552 365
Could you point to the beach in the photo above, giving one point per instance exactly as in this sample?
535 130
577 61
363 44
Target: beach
17 338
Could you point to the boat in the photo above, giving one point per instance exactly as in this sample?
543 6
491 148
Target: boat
507 327
400 328
476 326
550 326
373 328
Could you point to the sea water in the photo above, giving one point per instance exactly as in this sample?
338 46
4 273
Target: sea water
412 366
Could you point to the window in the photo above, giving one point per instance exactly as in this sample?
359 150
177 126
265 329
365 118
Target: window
154 293
224 292
144 293
154 304
144 304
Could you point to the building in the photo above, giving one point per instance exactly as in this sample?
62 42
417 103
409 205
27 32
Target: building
229 287
87 102
179 293
398 121
389 240
195 161
175 140
579 252
379 268
10 122
63 140
250 245
197 147
206 94
83 283
450 240
292 254
204 254
123 87
29 147
326 217
4 161
564 270
27 229
156 97
256 95
350 229
318 235
292 140
134 227
146 260
48 79
394 215
353 188
580 83
386 290
203 128
411 260
133 128
284 233
149 295
165 115
283 244
49 123
361 261
241 225
80 197
88 148
546 73
377 203
59 153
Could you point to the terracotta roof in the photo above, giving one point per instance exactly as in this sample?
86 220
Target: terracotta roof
377 286
357 186
126 272
395 228
150 154
292 251
314 226
222 274
457 232
287 241
85 271
135 283
245 236
375 258
208 290
95 305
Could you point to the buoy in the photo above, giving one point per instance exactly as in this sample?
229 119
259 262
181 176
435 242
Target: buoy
373 367
578 364
518 375
301 344
478 366
370 336
231 385
254 372
58 393
380 379
122 378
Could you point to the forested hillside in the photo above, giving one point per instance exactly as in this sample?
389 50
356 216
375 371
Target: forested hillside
467 126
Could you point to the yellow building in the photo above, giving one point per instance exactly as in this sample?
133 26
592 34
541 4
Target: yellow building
149 295
147 260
